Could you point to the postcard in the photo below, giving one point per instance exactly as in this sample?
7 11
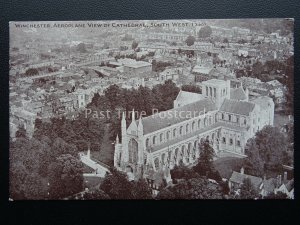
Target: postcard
151 109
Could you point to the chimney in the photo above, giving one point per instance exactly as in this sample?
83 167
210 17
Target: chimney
89 151
278 180
285 176
242 170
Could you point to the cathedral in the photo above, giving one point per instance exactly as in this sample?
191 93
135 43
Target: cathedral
223 115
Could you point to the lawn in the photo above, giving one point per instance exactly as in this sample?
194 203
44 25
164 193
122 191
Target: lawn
227 165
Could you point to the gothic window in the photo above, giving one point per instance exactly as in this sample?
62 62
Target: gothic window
193 126
210 91
187 128
174 133
238 143
229 117
206 91
205 121
222 116
133 151
237 120
224 140
147 142
215 92
245 121
180 130
154 140
209 121
199 124
161 137
231 141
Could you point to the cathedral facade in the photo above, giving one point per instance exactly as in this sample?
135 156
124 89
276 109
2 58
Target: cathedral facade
223 115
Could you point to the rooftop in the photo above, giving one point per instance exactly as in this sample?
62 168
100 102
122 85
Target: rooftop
237 107
239 178
170 117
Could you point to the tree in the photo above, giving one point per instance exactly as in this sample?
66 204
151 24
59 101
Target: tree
94 194
165 193
81 48
65 176
247 190
134 44
268 149
31 72
141 190
195 188
205 161
278 195
117 186
191 88
205 32
182 172
190 40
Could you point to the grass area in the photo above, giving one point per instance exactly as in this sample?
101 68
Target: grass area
227 165
106 152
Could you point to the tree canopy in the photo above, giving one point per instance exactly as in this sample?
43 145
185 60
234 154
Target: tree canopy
205 32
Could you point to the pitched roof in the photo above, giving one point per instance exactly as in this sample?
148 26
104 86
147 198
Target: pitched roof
270 184
290 185
237 94
263 101
167 118
239 178
237 107
188 97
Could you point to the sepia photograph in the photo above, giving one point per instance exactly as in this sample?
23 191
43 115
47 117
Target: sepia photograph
151 109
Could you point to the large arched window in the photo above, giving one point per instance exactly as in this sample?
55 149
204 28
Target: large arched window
133 151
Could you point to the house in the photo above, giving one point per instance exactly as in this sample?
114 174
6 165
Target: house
201 73
170 74
237 179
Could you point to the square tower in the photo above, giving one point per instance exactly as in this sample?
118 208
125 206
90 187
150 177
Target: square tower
216 90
